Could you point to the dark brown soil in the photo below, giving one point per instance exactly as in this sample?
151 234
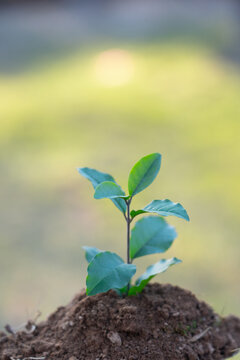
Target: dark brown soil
163 323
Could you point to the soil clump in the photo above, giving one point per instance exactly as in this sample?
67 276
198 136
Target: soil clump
165 322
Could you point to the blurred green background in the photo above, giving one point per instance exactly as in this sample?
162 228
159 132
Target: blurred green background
104 102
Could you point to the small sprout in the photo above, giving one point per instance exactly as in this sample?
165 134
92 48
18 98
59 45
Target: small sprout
150 235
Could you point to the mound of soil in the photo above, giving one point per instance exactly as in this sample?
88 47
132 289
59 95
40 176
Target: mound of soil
162 323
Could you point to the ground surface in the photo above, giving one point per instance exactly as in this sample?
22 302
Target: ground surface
164 323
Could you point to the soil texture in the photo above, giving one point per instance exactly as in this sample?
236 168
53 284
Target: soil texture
164 323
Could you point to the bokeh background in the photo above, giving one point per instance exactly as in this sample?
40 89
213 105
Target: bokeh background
101 84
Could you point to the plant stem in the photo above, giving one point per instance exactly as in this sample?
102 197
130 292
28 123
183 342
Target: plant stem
128 219
128 231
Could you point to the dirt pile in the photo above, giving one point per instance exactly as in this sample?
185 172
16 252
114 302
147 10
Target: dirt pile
162 323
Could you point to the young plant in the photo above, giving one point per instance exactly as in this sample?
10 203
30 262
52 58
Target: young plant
150 235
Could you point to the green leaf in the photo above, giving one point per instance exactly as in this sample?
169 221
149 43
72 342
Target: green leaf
97 177
120 204
143 173
151 235
91 252
108 189
108 271
163 207
152 271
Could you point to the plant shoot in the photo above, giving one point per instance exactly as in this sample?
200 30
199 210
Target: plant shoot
150 235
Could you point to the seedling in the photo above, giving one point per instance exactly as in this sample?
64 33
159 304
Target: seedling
150 235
